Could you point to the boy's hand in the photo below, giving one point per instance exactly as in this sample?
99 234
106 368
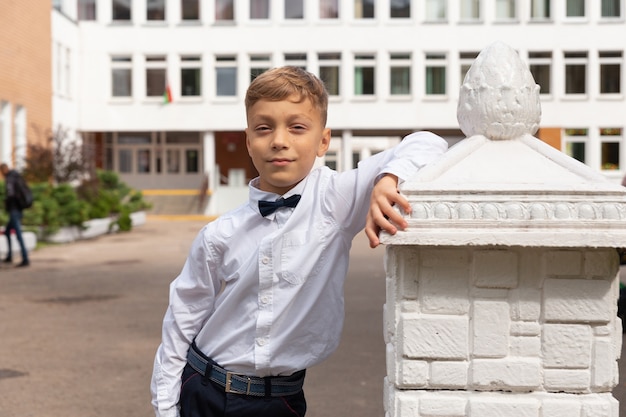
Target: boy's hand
382 215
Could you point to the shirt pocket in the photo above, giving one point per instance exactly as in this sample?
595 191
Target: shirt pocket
302 256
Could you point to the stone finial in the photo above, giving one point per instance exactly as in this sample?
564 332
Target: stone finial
499 98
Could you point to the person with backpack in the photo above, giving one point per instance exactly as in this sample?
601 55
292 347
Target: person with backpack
17 196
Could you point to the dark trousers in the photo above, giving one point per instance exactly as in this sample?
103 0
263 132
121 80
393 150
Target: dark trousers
200 397
15 219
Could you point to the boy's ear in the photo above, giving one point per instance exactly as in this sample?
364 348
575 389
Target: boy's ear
324 143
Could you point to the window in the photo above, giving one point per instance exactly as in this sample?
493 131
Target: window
63 78
356 157
610 72
121 76
575 140
125 160
329 71
258 65
172 161
86 10
143 161
5 126
506 9
155 10
436 73
364 9
400 76
330 160
575 72
19 134
192 161
296 60
400 9
190 76
259 9
611 8
575 8
156 79
224 10
121 10
466 59
294 9
226 76
540 10
190 9
540 65
436 10
470 10
329 9
364 75
610 139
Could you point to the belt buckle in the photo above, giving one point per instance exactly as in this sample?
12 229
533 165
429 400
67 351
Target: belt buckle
229 377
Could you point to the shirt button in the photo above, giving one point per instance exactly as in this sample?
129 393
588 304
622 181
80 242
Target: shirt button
261 342
265 260
265 299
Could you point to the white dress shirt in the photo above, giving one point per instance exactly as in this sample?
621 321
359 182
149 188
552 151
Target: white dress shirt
264 295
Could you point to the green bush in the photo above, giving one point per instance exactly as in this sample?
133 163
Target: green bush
63 205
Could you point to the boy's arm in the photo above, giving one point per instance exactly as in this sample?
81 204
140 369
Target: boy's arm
382 215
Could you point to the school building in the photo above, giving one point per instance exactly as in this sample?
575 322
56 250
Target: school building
155 88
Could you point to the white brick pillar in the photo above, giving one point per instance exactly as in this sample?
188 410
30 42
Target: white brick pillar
502 292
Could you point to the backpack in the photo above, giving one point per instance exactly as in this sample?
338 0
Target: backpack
23 194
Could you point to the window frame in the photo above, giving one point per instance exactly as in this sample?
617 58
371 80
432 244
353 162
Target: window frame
611 58
196 5
121 63
190 62
227 61
123 19
363 11
435 61
365 64
575 59
158 63
543 6
330 60
542 60
401 61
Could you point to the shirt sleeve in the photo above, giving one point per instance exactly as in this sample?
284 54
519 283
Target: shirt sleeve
191 299
353 188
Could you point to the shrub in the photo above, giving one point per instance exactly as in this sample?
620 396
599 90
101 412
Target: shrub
63 205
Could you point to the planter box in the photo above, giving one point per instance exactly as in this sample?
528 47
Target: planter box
30 240
93 228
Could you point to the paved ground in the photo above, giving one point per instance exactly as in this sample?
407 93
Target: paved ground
78 329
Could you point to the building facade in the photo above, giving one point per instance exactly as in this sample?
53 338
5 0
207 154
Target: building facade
157 86
25 78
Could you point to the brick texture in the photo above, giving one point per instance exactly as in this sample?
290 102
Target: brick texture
26 69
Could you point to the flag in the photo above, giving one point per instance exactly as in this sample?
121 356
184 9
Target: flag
167 94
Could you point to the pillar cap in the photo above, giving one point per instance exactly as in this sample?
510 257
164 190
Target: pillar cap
503 186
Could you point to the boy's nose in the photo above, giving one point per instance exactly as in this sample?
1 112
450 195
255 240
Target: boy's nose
280 139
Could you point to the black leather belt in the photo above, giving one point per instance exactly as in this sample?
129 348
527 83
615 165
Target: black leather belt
232 382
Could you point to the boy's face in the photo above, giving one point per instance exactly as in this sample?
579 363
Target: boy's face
283 139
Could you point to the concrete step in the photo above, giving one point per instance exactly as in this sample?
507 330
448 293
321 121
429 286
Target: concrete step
175 202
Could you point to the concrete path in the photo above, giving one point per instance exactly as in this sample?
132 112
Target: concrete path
78 329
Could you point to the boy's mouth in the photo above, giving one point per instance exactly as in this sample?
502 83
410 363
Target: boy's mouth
280 161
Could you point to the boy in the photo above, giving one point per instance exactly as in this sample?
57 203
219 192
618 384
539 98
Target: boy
260 297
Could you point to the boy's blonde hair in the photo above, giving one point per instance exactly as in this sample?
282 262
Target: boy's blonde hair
279 83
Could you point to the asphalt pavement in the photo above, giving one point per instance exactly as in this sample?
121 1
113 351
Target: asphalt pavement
79 328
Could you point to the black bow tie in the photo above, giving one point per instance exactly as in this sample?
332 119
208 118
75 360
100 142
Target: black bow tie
268 207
